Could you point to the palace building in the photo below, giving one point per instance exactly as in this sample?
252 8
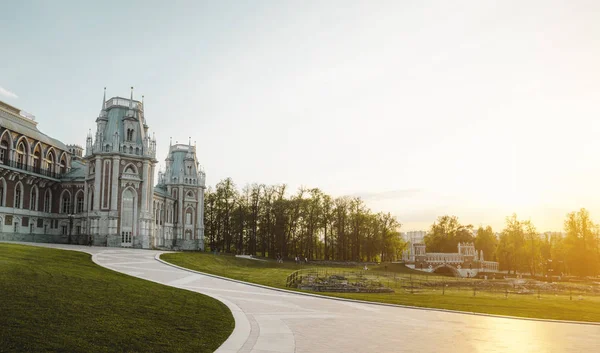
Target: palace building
52 192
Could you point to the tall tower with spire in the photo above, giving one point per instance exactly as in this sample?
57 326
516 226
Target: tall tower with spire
121 158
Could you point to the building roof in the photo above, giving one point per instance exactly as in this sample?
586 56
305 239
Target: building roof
115 111
77 170
12 119
161 190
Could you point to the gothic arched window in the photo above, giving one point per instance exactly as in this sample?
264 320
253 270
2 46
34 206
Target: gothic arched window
33 199
18 196
66 203
50 161
47 200
21 155
4 151
80 202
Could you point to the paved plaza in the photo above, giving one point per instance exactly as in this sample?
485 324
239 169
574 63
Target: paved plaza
275 321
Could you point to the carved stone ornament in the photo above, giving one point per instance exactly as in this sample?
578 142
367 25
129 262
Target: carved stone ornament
134 184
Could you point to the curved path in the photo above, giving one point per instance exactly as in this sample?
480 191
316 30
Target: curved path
270 321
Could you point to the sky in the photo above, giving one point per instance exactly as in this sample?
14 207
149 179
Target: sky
423 108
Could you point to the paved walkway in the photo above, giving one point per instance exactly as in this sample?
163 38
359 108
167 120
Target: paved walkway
270 321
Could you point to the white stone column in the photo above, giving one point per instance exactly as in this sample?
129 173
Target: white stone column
201 217
144 187
114 192
85 193
180 212
150 188
98 166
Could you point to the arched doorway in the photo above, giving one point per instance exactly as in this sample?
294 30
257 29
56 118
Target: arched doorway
127 217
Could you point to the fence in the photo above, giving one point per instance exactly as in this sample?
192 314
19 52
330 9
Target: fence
328 278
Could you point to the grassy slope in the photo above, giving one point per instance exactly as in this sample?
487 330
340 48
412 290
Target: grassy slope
274 275
60 301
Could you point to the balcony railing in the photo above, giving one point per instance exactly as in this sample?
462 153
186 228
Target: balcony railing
32 169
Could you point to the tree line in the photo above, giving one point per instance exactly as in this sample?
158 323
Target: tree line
261 220
521 248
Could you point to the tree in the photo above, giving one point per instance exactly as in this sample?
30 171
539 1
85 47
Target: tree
532 248
581 243
518 248
264 220
487 242
445 234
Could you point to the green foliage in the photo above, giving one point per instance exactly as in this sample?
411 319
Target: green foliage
263 219
522 248
582 243
60 301
487 241
446 233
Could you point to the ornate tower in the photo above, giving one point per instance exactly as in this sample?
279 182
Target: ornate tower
181 192
120 173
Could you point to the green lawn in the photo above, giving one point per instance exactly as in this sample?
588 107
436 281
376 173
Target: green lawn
272 274
60 301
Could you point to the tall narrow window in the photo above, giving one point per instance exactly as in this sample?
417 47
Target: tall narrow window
47 199
33 200
127 217
80 203
66 204
63 165
36 161
21 155
4 152
1 195
50 162
18 197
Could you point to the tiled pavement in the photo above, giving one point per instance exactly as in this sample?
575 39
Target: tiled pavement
274 321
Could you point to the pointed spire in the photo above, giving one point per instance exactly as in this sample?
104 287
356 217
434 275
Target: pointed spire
131 99
190 141
170 141
104 100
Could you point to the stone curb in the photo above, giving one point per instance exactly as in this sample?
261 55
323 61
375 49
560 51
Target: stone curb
157 257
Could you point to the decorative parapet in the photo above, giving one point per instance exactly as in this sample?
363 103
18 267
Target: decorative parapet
202 178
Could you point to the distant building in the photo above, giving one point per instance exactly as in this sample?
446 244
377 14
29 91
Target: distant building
413 237
467 262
